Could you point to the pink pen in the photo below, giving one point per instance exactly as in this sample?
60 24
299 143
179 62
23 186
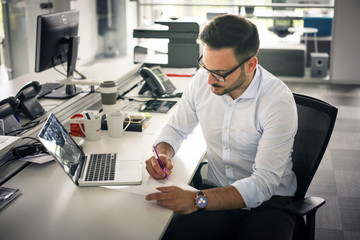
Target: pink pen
160 163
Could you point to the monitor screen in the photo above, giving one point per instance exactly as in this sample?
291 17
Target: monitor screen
57 40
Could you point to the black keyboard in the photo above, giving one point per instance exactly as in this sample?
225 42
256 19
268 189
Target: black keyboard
48 88
101 167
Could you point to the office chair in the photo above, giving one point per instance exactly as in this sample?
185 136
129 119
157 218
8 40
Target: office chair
316 120
281 27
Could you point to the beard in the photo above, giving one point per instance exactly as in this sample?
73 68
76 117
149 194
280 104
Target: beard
221 90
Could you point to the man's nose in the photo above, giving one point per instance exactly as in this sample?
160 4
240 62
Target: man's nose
211 79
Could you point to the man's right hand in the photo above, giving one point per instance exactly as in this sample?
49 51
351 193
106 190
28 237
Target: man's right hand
154 169
165 152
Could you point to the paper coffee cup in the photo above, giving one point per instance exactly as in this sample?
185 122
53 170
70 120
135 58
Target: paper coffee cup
108 90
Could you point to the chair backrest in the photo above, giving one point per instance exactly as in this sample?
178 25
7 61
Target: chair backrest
316 120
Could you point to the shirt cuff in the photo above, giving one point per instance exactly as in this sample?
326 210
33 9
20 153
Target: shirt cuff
170 141
250 193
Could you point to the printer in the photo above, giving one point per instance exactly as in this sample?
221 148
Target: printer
169 43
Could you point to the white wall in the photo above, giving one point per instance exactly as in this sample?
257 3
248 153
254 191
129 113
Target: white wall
91 44
345 47
88 47
131 23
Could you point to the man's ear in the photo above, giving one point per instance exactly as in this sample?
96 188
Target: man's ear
251 64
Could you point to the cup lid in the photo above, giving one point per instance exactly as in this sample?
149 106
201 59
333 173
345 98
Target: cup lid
108 84
115 114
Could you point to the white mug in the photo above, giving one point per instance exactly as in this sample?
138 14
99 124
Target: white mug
115 123
92 127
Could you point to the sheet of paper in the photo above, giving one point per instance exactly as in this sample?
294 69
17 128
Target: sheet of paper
150 186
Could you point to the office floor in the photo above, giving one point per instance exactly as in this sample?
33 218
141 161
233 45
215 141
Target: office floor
338 177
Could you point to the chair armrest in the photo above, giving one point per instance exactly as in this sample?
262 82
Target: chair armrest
305 206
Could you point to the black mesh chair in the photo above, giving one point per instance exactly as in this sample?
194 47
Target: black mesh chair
316 120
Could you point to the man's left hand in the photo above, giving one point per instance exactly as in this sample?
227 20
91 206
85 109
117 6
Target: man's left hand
175 199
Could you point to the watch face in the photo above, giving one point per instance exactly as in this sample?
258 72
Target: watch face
201 202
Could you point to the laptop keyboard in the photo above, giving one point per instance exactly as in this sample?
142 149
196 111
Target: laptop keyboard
101 167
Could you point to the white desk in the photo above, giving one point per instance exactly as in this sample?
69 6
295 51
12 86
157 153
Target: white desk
63 108
52 207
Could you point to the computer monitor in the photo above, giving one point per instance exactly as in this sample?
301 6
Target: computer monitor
57 43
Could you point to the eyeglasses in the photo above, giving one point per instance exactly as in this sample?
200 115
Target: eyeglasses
219 77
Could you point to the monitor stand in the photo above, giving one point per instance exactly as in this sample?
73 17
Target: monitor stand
66 91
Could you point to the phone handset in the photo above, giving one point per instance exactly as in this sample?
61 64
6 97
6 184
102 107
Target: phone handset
29 105
8 107
152 82
29 90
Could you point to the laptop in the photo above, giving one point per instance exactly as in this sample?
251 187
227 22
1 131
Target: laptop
91 169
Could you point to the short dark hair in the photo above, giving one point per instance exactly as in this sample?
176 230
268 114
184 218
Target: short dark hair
232 31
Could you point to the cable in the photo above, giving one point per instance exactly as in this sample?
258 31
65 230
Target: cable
133 99
32 124
121 96
33 148
25 127
24 150
82 76
35 139
59 71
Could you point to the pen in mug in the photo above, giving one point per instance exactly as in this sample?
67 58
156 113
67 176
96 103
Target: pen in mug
158 158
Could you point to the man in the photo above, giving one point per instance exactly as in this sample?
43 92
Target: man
248 118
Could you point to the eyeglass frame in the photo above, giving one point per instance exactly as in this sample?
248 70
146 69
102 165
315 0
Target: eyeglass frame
226 74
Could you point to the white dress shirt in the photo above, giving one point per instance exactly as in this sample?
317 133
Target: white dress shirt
249 139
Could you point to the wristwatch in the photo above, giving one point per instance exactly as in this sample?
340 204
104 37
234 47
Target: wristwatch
200 200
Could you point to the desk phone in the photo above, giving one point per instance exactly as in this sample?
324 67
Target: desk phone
156 81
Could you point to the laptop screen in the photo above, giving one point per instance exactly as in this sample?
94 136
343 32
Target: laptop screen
62 147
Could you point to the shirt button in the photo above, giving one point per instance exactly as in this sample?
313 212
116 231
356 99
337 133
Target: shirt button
230 105
226 148
226 128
